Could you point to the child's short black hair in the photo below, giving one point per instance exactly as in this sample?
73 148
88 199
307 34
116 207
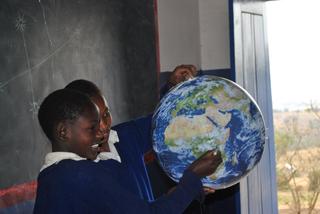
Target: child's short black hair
61 105
84 86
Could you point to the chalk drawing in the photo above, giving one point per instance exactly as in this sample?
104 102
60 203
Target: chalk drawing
21 26
20 23
45 24
43 60
49 38
34 108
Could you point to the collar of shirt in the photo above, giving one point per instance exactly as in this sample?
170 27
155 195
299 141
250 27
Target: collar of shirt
55 157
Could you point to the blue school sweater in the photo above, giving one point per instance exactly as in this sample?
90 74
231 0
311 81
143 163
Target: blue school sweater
87 187
134 142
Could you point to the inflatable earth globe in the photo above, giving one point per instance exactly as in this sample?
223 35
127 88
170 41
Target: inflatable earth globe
207 113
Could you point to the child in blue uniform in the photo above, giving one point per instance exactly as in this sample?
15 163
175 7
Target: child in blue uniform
134 136
70 182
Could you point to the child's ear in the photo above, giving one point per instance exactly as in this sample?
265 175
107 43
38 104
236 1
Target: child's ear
62 131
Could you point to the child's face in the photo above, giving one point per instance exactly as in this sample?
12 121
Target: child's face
105 122
83 134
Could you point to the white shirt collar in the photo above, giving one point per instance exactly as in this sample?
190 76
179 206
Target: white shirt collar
55 157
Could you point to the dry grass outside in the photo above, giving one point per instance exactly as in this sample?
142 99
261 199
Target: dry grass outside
285 199
299 158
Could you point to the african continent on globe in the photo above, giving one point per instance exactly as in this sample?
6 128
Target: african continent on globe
208 113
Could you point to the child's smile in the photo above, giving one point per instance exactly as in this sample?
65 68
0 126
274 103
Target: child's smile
83 131
105 122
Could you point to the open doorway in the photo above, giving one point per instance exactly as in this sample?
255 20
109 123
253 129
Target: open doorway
294 44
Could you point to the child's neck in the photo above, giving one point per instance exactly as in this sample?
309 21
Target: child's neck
59 147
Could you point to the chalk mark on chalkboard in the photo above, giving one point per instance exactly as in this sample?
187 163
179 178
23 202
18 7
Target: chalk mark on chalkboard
21 26
20 23
48 36
34 108
46 58
45 24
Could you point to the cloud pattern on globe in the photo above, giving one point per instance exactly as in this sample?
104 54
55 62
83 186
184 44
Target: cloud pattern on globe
207 113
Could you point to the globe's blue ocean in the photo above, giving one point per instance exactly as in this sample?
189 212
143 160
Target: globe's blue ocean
206 113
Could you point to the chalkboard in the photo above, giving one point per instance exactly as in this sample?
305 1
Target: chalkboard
45 44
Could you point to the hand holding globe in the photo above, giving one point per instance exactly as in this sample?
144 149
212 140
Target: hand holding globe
206 164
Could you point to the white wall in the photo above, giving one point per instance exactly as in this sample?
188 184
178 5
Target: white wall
194 32
214 34
178 33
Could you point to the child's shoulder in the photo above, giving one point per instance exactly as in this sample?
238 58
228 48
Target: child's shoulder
68 176
72 169
123 126
135 123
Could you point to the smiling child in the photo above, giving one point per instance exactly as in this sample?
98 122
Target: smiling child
70 182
